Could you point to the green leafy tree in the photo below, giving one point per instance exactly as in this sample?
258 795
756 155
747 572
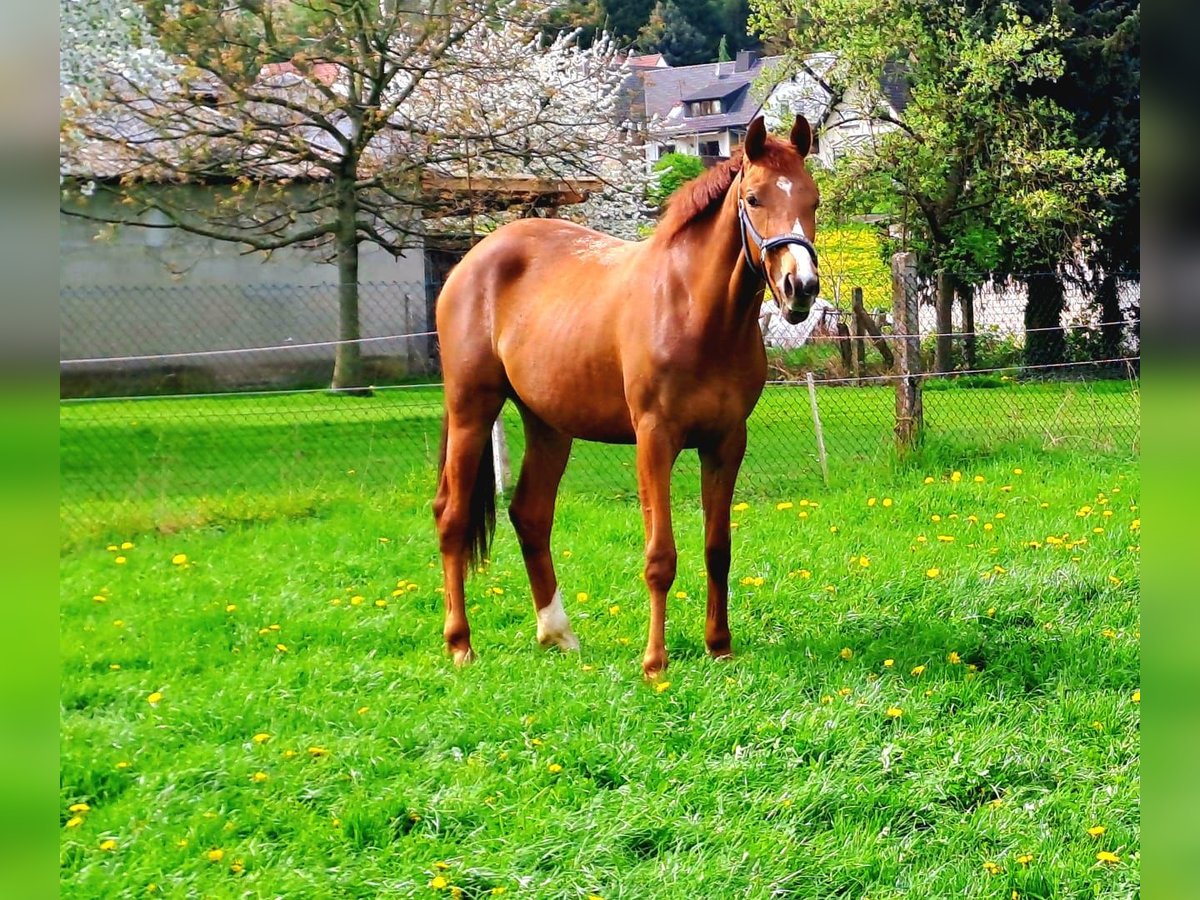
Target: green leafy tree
672 169
675 34
986 175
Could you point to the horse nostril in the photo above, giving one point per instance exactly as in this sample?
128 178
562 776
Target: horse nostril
789 285
812 288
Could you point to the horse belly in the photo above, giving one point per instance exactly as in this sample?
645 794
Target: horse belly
582 401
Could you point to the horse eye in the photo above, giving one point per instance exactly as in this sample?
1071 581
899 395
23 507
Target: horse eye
751 200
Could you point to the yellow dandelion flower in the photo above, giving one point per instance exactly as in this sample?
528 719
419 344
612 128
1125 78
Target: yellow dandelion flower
928 479
846 653
871 501
804 573
74 821
154 698
996 804
946 538
120 560
1108 513
317 751
991 611
786 504
1007 488
259 777
594 897
888 663
124 764
362 710
803 514
844 692
382 604
833 529
956 476
567 554
991 868
238 867
498 890
127 545
439 882
1135 525
1018 471
894 712
554 768
988 526
78 808
1097 830
681 595
586 667
357 600
112 548
921 539
917 670
581 597
215 855
108 845
933 573
261 738
741 507
826 699
1105 856
1025 859
1043 506
661 686
864 562
281 648
1137 696
953 658
1113 579
935 518
978 479
179 559
887 501
615 609
99 598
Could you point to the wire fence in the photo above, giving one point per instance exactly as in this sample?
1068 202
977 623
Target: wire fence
193 404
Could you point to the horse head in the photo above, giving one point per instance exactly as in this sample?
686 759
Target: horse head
778 197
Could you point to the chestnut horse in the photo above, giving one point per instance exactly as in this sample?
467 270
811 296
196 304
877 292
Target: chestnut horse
655 343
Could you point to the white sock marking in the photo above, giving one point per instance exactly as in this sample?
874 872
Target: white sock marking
553 627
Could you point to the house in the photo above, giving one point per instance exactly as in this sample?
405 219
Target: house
704 110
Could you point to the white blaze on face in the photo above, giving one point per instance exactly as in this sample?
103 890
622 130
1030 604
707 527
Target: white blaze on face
805 271
553 626
785 185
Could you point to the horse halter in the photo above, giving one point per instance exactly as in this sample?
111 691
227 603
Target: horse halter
746 227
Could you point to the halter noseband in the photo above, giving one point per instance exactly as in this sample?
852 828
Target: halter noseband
746 227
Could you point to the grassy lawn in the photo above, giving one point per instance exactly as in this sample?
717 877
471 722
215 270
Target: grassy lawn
255 701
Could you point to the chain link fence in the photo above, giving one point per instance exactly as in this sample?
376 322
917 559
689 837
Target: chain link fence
193 404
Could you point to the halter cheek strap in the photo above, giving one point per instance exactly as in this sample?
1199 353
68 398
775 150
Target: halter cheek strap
750 235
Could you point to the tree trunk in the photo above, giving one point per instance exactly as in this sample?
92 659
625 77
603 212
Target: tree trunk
966 300
1112 325
347 361
1045 342
944 353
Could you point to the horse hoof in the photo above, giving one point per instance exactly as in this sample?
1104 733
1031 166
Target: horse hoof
720 653
653 668
565 642
463 657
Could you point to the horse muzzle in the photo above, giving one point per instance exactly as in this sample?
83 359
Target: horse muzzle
797 296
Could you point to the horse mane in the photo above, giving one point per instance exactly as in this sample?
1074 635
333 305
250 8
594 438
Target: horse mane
694 199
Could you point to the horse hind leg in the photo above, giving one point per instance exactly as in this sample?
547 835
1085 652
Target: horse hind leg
464 508
532 515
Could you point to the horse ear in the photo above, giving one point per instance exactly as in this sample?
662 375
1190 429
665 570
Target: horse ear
802 135
756 139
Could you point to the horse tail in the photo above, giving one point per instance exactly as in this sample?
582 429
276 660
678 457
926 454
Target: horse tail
481 514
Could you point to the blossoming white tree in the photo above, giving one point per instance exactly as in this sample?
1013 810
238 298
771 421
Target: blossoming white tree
327 125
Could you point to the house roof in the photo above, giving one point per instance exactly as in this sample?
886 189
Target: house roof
715 90
667 89
646 61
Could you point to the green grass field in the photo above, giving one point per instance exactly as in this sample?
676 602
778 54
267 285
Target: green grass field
935 689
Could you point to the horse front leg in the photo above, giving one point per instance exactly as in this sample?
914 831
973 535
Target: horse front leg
657 449
719 466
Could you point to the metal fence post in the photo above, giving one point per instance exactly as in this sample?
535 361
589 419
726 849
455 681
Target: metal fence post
910 420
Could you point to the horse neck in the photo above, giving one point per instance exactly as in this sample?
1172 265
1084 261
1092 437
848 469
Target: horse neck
720 282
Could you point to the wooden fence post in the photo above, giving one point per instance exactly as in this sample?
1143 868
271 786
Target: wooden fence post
500 463
856 342
910 420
